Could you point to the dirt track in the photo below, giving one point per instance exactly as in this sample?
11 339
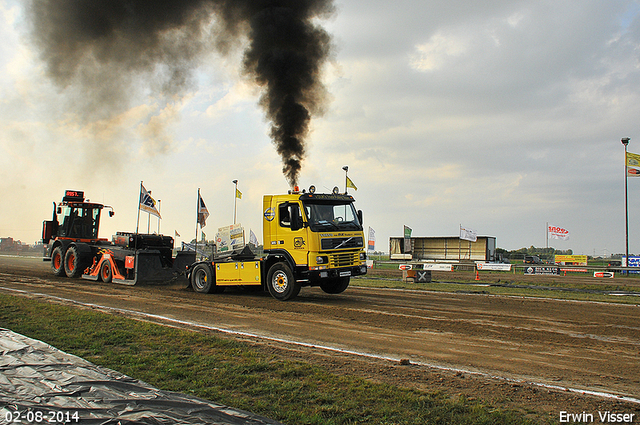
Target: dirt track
489 348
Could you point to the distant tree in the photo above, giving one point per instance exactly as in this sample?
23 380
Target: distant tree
544 253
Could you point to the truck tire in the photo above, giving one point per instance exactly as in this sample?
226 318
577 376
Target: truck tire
335 286
106 274
57 261
72 265
282 285
202 279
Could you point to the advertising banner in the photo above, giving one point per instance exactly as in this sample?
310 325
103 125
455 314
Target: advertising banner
438 267
371 246
633 165
468 234
230 237
571 260
494 266
407 239
541 270
556 232
633 262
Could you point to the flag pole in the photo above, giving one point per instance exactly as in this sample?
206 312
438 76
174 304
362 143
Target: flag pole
346 172
235 200
138 219
547 234
625 141
159 208
197 219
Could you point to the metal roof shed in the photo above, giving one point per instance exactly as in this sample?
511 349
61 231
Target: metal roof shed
443 248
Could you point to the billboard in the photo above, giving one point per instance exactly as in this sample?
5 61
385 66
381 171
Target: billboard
230 237
571 260
541 270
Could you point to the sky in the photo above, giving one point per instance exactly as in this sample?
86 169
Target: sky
499 116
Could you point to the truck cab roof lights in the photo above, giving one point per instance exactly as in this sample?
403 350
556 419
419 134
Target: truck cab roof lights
295 190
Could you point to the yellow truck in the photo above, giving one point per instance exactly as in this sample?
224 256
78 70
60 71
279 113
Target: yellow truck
310 239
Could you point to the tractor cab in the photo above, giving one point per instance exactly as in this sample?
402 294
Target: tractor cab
79 221
73 219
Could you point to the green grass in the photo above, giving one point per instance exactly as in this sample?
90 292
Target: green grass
510 285
234 373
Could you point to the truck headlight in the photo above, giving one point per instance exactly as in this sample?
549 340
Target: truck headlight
363 256
322 259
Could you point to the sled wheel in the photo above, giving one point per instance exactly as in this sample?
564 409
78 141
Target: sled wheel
106 274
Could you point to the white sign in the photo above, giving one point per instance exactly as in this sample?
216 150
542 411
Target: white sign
494 266
230 237
438 267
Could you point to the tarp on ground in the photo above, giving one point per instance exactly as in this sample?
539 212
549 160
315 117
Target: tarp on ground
36 377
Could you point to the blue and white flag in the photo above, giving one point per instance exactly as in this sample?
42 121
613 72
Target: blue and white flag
147 203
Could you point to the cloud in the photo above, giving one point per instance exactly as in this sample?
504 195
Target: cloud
435 53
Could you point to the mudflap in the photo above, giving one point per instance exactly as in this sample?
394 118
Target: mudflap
149 270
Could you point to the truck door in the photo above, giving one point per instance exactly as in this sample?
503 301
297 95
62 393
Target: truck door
291 233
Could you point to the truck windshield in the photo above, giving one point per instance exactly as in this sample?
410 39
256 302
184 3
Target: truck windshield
324 216
79 222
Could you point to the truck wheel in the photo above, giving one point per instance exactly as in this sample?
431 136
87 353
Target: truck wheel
106 274
202 279
281 283
335 286
72 266
57 261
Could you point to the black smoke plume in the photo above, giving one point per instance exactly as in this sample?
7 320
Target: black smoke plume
103 49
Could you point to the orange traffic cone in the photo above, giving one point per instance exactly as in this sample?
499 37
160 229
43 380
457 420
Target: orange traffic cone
477 275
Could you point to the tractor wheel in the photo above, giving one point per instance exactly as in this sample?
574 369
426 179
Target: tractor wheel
282 285
57 261
106 274
72 265
335 286
202 279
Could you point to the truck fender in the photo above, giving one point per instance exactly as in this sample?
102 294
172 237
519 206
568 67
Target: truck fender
278 255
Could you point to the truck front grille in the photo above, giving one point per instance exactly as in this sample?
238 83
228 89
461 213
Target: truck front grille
342 243
345 259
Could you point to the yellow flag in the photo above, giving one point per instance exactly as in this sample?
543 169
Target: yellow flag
238 194
633 165
353 186
633 159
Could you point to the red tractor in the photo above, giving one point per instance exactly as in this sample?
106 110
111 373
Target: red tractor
72 233
74 248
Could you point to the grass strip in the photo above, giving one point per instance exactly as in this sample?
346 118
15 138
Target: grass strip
559 290
235 373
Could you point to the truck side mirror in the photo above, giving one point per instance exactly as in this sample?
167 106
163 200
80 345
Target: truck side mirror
359 213
294 214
